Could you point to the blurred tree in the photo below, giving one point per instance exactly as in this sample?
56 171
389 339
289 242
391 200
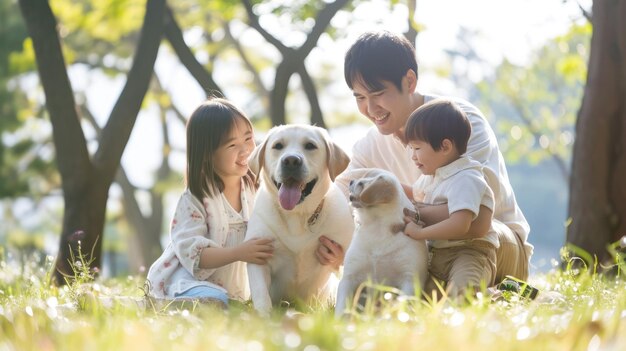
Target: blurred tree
24 169
145 221
144 242
86 179
293 58
534 105
413 27
597 189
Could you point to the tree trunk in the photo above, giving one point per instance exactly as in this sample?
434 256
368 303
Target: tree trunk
86 183
278 96
597 205
317 117
144 245
411 33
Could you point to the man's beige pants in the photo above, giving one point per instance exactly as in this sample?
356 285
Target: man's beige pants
513 255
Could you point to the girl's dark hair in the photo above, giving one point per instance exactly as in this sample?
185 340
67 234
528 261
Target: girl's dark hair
207 129
379 56
438 120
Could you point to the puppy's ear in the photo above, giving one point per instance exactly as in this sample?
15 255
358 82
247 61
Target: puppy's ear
338 160
378 191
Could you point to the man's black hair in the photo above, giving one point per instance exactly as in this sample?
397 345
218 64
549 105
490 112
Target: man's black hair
379 56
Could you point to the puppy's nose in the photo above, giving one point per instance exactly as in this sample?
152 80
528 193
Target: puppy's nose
352 198
292 161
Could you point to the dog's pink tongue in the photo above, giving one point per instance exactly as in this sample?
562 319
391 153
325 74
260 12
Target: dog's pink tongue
289 195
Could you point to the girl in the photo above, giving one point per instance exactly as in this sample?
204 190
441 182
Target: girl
206 256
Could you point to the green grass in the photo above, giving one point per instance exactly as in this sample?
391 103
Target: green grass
585 312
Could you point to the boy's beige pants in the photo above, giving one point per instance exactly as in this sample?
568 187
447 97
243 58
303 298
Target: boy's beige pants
461 267
479 261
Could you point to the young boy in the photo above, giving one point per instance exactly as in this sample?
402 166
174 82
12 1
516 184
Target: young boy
438 133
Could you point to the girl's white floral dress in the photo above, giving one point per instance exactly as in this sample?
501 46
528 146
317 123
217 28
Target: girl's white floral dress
196 225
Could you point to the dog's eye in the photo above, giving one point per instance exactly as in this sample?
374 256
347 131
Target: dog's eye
310 146
351 182
278 146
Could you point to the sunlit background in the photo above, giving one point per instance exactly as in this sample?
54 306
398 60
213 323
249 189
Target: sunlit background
523 63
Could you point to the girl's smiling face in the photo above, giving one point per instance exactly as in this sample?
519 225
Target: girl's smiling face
231 158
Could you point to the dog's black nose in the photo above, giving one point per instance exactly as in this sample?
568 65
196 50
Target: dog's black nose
352 198
292 161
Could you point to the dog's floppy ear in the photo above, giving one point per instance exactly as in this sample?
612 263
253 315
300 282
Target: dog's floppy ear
378 191
257 158
338 160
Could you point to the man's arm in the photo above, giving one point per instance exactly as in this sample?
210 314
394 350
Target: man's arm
329 252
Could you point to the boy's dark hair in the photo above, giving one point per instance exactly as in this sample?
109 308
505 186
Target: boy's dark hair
207 129
379 56
438 120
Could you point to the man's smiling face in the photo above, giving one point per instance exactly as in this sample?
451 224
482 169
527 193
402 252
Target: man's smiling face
388 108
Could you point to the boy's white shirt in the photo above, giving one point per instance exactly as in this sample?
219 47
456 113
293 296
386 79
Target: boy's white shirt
462 186
194 227
376 150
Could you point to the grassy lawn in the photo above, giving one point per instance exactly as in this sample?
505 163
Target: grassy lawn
574 311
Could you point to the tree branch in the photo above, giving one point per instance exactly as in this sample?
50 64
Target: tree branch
411 33
174 35
69 140
256 78
254 23
311 93
293 59
117 131
586 13
321 23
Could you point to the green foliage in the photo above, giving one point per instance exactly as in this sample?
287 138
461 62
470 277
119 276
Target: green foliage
20 157
537 105
12 35
100 20
299 12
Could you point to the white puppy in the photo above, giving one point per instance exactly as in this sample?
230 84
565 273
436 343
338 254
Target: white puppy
296 204
380 250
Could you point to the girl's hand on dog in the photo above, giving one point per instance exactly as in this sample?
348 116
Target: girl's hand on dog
329 252
257 250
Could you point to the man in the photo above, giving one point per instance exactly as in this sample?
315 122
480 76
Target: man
381 70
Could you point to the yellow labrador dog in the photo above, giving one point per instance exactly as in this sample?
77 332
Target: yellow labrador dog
297 202
380 250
